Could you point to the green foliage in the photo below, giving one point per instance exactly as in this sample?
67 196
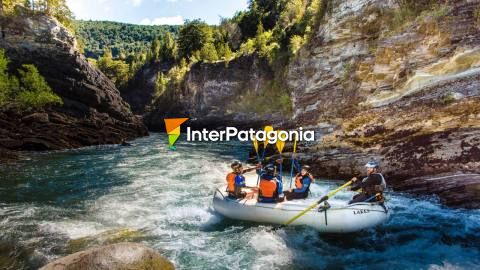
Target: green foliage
208 52
29 91
348 68
8 83
282 26
232 33
265 44
292 13
168 48
128 39
409 10
161 84
476 14
34 91
54 8
224 52
172 80
273 98
192 37
8 6
248 47
117 70
296 42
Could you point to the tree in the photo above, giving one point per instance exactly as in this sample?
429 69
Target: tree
7 6
116 70
155 49
5 79
168 50
120 37
233 32
192 37
209 53
34 93
247 21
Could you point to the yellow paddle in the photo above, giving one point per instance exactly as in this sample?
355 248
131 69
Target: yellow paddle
255 145
329 195
280 144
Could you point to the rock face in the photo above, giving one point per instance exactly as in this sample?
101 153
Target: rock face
407 96
93 111
211 95
401 90
141 90
113 257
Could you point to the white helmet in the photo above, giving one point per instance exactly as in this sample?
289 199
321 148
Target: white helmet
371 164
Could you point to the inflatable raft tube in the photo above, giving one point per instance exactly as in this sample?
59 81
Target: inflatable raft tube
336 219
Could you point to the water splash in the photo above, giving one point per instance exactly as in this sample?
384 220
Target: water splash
166 196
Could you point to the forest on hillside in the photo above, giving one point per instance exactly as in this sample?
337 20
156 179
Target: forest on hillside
271 29
121 38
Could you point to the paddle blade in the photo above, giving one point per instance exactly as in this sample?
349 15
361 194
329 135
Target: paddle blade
255 145
267 130
280 144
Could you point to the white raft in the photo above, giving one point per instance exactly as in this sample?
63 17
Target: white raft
340 218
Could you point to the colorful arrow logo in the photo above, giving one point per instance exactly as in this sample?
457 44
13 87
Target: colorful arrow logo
173 130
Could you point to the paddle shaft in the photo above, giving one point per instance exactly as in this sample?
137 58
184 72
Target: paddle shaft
331 194
293 161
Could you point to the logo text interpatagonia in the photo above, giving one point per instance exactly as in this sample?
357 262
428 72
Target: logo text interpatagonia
230 133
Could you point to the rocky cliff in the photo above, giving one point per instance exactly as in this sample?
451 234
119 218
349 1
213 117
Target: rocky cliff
219 94
406 96
93 111
379 85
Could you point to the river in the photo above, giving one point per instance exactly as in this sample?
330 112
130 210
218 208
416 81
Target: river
57 202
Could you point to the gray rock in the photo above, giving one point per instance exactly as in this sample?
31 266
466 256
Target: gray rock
131 256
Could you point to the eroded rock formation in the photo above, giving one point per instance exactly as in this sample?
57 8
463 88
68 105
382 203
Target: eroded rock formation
405 93
407 97
93 111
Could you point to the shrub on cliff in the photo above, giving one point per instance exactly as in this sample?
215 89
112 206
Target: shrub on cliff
34 91
55 8
7 82
28 91
116 70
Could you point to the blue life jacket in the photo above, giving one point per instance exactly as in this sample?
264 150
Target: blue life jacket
240 180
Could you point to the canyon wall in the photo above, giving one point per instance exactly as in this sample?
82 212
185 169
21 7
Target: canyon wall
93 111
378 84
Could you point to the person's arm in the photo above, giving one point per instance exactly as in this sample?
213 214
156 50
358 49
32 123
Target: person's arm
279 187
356 185
312 179
257 167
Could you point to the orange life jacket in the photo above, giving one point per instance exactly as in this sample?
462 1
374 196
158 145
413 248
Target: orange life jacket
231 182
268 188
298 182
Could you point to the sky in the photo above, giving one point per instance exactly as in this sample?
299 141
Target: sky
151 12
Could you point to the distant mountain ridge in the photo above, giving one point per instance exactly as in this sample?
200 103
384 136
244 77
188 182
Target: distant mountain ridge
121 38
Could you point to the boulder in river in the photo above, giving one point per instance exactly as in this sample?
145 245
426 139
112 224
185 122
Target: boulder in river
130 256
